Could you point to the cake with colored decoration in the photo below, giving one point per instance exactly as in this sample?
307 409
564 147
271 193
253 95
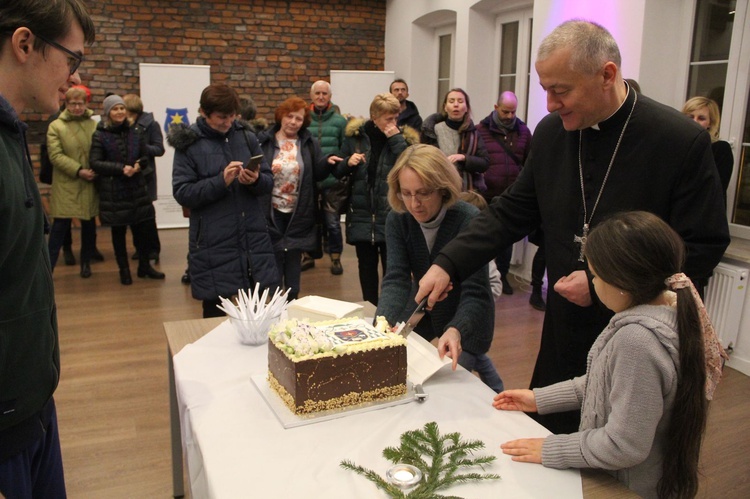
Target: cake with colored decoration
335 364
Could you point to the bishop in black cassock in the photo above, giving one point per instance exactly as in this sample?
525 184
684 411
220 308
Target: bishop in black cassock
664 165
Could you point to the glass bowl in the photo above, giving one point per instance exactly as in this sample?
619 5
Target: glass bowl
253 332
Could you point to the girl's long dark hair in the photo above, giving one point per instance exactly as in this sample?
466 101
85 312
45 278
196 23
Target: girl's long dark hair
636 251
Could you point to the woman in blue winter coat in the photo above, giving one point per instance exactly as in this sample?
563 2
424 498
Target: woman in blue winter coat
297 163
229 246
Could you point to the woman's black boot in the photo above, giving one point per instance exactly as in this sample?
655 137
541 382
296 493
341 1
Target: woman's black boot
125 277
146 270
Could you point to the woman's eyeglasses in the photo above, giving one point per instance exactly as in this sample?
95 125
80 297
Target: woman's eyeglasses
74 60
418 196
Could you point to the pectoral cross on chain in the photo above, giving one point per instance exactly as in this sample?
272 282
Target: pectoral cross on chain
582 241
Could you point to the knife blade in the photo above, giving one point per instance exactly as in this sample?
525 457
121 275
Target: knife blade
414 319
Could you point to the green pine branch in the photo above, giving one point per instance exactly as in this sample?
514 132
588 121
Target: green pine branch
441 458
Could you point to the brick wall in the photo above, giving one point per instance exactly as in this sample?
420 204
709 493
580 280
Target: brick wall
267 49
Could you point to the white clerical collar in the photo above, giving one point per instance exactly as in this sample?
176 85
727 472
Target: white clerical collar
596 126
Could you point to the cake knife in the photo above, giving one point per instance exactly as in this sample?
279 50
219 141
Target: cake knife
414 319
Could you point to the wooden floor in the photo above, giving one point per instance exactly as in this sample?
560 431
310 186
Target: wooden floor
113 403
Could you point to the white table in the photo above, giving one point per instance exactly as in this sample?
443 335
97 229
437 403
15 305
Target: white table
235 446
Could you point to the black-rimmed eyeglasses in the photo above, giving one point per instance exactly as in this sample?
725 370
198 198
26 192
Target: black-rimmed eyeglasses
74 60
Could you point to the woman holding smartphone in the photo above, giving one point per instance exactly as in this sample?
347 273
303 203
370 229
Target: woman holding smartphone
297 164
229 244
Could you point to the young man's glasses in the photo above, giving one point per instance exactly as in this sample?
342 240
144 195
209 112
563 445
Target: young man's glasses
74 60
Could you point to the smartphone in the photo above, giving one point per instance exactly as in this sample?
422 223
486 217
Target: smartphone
254 163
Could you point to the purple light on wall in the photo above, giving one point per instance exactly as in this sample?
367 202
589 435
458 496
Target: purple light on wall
608 13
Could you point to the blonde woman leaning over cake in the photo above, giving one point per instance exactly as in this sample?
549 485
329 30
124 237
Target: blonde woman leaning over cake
423 191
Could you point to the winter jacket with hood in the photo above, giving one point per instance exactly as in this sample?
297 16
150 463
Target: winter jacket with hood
368 206
151 131
68 146
123 200
229 245
410 116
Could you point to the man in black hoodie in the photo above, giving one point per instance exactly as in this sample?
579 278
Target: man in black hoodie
409 114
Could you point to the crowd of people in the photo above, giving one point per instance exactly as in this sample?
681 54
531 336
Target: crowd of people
625 245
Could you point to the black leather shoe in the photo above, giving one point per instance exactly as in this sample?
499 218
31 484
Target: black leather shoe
97 256
336 268
85 270
307 262
185 278
537 302
150 272
125 277
507 289
68 256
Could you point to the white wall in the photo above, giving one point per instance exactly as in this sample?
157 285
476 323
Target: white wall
411 50
624 19
665 20
353 91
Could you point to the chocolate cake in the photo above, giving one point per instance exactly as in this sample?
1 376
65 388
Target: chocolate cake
335 364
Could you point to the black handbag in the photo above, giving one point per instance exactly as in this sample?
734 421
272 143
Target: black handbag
45 165
317 253
337 196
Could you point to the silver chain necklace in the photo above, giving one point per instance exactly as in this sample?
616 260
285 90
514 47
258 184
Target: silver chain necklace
581 240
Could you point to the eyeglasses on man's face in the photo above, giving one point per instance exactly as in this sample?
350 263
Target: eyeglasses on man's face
420 196
74 59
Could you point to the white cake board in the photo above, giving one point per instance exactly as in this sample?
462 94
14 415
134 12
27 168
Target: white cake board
290 420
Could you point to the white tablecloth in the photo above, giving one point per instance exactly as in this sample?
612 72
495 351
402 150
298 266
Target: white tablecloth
236 447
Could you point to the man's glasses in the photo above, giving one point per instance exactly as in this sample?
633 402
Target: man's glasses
421 197
74 60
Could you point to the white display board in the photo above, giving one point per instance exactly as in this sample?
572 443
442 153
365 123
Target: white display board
353 91
172 92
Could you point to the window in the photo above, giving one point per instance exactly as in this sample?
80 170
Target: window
444 68
740 213
508 57
712 36
720 69
513 36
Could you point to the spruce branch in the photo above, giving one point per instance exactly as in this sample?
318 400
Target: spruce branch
441 458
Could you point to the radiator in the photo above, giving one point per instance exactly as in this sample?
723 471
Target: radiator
725 298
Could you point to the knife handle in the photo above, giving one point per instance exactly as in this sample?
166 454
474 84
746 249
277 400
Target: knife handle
419 393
